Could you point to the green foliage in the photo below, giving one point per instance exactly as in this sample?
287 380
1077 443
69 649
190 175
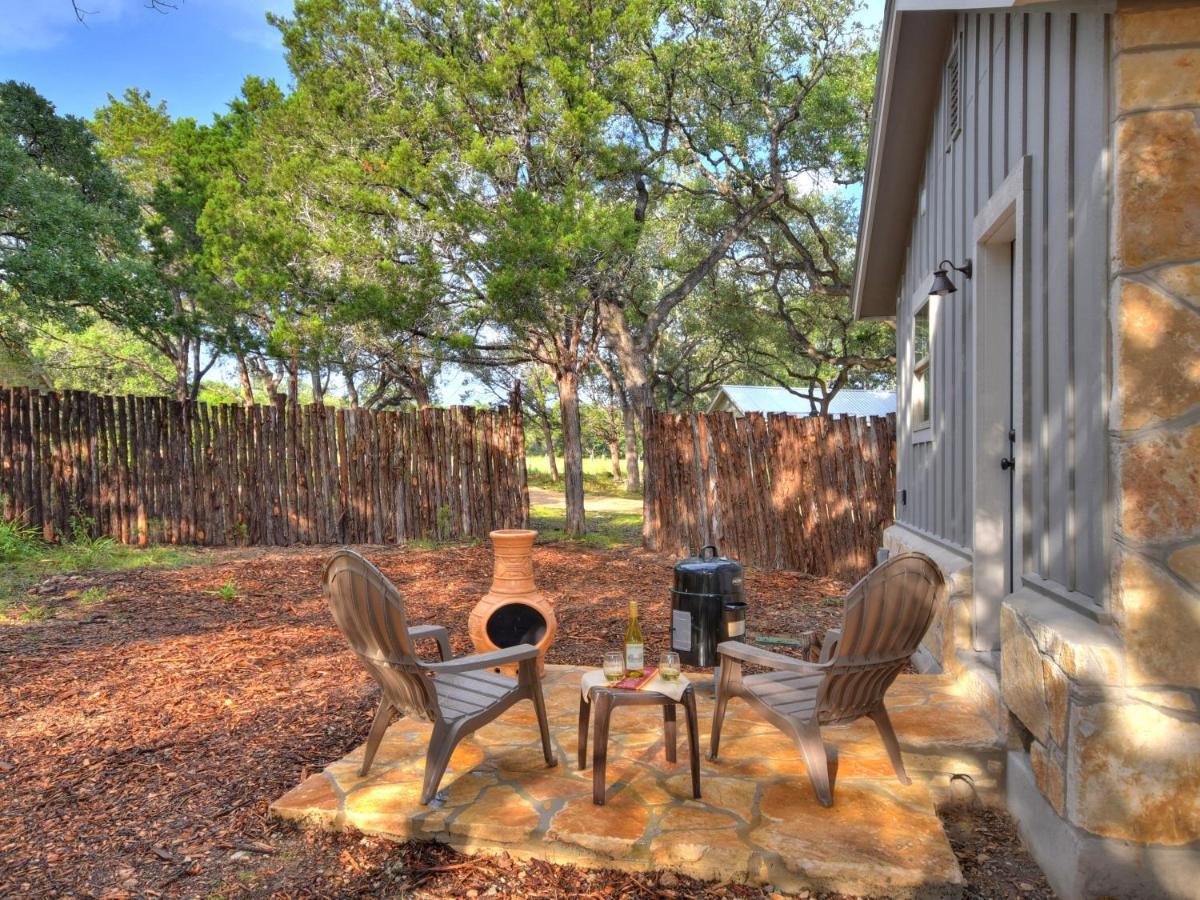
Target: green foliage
227 591
71 246
17 543
33 610
92 596
100 357
492 185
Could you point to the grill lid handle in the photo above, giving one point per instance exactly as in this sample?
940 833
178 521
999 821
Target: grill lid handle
712 547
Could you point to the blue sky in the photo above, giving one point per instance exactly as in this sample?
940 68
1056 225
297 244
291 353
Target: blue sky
194 57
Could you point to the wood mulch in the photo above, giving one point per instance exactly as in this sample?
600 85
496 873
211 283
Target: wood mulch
143 737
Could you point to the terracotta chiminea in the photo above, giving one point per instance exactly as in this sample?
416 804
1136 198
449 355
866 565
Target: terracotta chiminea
513 611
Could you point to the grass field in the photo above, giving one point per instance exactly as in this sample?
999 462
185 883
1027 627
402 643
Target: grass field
604 529
597 476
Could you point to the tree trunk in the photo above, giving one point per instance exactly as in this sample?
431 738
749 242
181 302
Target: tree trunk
197 371
181 353
418 387
631 356
568 405
293 376
633 480
181 370
317 387
247 384
612 436
548 431
351 388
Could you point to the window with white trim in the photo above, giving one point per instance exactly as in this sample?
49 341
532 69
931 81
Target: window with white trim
922 377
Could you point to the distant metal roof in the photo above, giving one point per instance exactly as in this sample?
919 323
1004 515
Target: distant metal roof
770 399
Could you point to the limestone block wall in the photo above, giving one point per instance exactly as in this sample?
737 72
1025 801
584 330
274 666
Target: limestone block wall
1150 735
1156 335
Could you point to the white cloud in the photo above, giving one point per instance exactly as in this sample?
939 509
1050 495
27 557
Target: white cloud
39 24
248 21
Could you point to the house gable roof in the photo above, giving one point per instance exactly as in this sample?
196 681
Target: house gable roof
748 398
912 54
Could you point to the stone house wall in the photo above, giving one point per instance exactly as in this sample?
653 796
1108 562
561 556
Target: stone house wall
1155 440
1109 714
1103 716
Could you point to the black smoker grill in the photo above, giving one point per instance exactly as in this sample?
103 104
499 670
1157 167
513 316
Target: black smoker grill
706 606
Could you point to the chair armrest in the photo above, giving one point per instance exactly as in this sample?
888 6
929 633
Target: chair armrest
829 645
477 661
437 633
759 657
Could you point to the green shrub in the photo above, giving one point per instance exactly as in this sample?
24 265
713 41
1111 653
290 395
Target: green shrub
228 591
18 542
93 595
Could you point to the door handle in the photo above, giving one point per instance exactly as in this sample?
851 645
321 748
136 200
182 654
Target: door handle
1007 463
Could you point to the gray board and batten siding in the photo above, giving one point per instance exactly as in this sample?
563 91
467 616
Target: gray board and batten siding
1033 84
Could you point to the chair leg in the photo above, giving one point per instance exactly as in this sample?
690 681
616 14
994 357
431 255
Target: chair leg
530 681
723 686
383 718
812 748
539 704
600 748
441 746
689 707
888 733
585 715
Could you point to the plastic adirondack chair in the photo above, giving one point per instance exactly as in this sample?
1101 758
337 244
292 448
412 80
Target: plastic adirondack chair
886 614
458 696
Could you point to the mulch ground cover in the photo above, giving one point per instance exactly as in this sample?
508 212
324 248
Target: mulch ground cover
142 737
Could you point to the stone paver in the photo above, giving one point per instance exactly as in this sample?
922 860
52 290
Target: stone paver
758 820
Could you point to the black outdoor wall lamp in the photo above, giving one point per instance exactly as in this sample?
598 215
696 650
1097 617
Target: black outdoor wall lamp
942 285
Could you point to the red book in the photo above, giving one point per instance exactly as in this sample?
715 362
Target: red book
636 684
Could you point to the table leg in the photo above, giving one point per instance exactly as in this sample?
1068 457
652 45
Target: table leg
669 730
689 706
600 748
585 715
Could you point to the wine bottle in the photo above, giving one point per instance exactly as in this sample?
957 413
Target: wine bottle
635 651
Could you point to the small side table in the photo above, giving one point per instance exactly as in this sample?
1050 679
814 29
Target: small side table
605 699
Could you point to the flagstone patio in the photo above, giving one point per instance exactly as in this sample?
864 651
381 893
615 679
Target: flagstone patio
758 820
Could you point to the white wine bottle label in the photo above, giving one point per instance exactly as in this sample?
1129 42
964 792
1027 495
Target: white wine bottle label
634 656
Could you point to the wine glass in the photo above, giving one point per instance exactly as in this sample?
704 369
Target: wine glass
614 666
668 666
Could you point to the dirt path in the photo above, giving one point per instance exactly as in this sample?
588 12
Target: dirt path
591 502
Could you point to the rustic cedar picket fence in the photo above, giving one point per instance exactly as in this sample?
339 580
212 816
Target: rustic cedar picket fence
778 492
151 469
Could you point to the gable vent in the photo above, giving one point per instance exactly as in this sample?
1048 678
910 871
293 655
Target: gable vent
953 93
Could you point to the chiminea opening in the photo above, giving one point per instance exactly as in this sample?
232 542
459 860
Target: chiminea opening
515 623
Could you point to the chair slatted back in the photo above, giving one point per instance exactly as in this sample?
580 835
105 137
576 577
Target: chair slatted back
370 613
886 615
